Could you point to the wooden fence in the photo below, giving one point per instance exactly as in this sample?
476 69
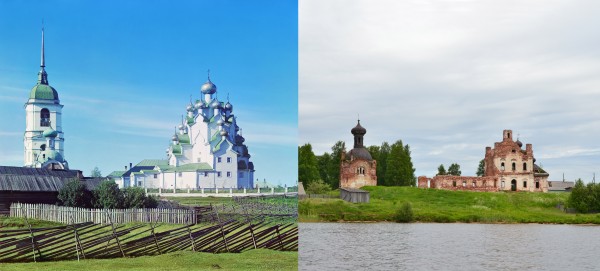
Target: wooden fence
69 215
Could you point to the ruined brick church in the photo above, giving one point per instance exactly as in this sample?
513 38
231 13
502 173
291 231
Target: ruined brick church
507 168
357 167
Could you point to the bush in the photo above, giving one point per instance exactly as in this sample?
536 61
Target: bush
581 197
75 194
107 195
404 214
317 187
135 197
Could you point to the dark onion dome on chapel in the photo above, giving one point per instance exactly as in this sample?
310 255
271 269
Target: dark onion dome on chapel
358 130
360 153
208 87
239 140
519 143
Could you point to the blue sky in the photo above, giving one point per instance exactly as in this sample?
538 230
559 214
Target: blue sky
125 70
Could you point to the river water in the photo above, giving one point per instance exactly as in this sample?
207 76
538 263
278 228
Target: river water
424 246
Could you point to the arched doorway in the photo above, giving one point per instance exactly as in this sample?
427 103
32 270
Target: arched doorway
513 185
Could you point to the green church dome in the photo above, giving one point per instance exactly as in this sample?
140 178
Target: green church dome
49 155
43 91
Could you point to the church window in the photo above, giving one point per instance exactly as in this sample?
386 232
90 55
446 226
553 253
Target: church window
524 184
44 156
524 166
502 166
155 176
502 184
454 183
218 159
206 174
228 159
228 173
514 166
218 173
179 174
45 117
537 185
43 147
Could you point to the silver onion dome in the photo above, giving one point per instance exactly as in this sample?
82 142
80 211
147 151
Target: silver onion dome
224 133
208 87
228 106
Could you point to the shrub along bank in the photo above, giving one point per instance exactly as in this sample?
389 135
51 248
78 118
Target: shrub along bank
433 205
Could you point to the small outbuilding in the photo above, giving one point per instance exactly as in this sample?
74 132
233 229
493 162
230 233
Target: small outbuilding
354 195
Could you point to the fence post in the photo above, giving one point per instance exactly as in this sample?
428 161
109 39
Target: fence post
33 246
115 233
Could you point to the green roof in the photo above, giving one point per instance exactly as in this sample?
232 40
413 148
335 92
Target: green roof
218 146
191 167
214 136
212 118
116 173
152 162
164 167
137 173
184 139
177 149
42 91
190 120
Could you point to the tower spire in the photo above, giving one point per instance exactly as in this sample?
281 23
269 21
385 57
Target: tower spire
42 75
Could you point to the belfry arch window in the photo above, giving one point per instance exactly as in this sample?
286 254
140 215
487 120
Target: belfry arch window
45 117
514 166
360 170
524 166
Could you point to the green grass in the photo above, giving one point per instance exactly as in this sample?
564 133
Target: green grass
433 205
7 223
260 259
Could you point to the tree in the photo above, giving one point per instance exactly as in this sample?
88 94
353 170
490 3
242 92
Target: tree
324 162
454 169
96 173
441 170
481 168
579 198
400 169
134 197
75 194
107 195
336 160
318 187
384 152
308 170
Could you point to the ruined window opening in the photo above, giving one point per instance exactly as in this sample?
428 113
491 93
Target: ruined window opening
524 166
502 184
474 184
514 166
514 151
513 185
464 183
524 184
508 135
502 166
454 183
45 117
537 185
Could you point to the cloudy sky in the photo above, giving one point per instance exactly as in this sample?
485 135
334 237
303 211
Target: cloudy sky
125 70
447 77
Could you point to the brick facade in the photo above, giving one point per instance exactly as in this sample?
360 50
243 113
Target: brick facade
507 168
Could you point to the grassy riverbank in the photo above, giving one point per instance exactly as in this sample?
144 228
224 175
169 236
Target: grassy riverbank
432 205
260 259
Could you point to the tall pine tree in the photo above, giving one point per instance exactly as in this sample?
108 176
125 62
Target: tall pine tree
399 170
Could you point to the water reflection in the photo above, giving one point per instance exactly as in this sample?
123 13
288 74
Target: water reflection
391 246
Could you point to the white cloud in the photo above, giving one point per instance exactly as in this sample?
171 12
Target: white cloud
447 77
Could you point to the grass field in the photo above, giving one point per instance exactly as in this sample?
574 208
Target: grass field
260 259
433 205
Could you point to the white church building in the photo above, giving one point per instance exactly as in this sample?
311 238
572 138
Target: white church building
43 138
207 150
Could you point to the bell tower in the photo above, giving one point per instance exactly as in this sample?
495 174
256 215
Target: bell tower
43 139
